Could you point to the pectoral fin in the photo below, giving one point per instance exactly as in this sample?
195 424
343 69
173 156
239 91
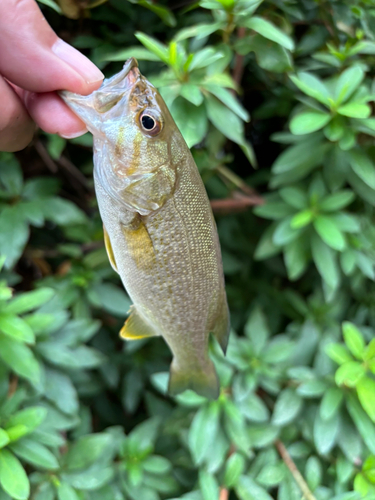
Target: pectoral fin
109 249
136 328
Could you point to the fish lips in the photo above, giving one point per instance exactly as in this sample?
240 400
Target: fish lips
89 108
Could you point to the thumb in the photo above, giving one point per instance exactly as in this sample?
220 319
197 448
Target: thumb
35 59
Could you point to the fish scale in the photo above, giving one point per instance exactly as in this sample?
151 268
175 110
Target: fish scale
161 235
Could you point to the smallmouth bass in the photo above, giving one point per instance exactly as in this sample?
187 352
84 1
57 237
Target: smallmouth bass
159 230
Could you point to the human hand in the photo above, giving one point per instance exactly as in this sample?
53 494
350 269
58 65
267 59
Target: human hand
34 63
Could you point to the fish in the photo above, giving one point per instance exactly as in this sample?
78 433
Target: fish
159 230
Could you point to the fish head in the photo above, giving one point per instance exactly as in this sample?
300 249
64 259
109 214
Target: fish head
129 120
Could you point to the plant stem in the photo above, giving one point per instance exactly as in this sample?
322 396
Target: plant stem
294 471
224 494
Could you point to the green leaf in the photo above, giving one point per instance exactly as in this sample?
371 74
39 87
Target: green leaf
235 427
355 110
208 485
248 489
253 408
256 329
273 210
302 219
229 100
295 156
294 196
312 86
112 298
363 423
13 478
362 166
269 55
203 431
13 235
325 261
270 31
204 58
285 233
235 466
347 83
63 212
271 475
52 4
4 438
366 395
225 120
154 46
350 373
16 328
336 201
191 93
28 301
325 433
191 120
331 402
20 359
198 30
287 407
296 258
140 53
329 232
157 465
308 122
313 472
353 339
66 492
10 175
61 391
29 418
338 352
87 450
35 453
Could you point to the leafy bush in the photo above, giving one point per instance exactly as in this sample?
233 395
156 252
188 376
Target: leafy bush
84 416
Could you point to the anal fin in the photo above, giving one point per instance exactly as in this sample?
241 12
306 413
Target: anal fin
109 249
136 328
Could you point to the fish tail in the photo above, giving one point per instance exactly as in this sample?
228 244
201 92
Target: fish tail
201 379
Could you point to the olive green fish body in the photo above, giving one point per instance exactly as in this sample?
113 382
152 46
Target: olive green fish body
159 229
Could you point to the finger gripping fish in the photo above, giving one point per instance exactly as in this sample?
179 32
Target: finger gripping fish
159 230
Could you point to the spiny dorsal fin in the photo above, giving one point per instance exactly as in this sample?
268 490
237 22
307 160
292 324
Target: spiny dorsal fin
109 249
136 328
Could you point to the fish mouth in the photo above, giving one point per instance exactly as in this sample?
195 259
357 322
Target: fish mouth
109 93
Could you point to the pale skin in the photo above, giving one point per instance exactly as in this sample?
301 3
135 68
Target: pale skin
34 64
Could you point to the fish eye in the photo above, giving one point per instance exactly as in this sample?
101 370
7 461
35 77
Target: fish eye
150 124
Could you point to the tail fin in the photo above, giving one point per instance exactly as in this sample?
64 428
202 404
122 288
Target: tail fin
202 380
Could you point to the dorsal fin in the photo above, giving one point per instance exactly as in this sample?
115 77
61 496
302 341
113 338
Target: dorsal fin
136 328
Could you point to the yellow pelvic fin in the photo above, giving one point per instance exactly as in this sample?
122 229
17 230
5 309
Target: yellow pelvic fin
109 249
136 328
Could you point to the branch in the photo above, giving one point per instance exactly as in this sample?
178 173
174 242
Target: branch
224 494
303 486
238 203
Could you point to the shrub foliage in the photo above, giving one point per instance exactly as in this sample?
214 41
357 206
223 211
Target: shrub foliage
275 98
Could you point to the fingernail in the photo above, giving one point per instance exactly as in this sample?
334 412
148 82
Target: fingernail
77 61
73 135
